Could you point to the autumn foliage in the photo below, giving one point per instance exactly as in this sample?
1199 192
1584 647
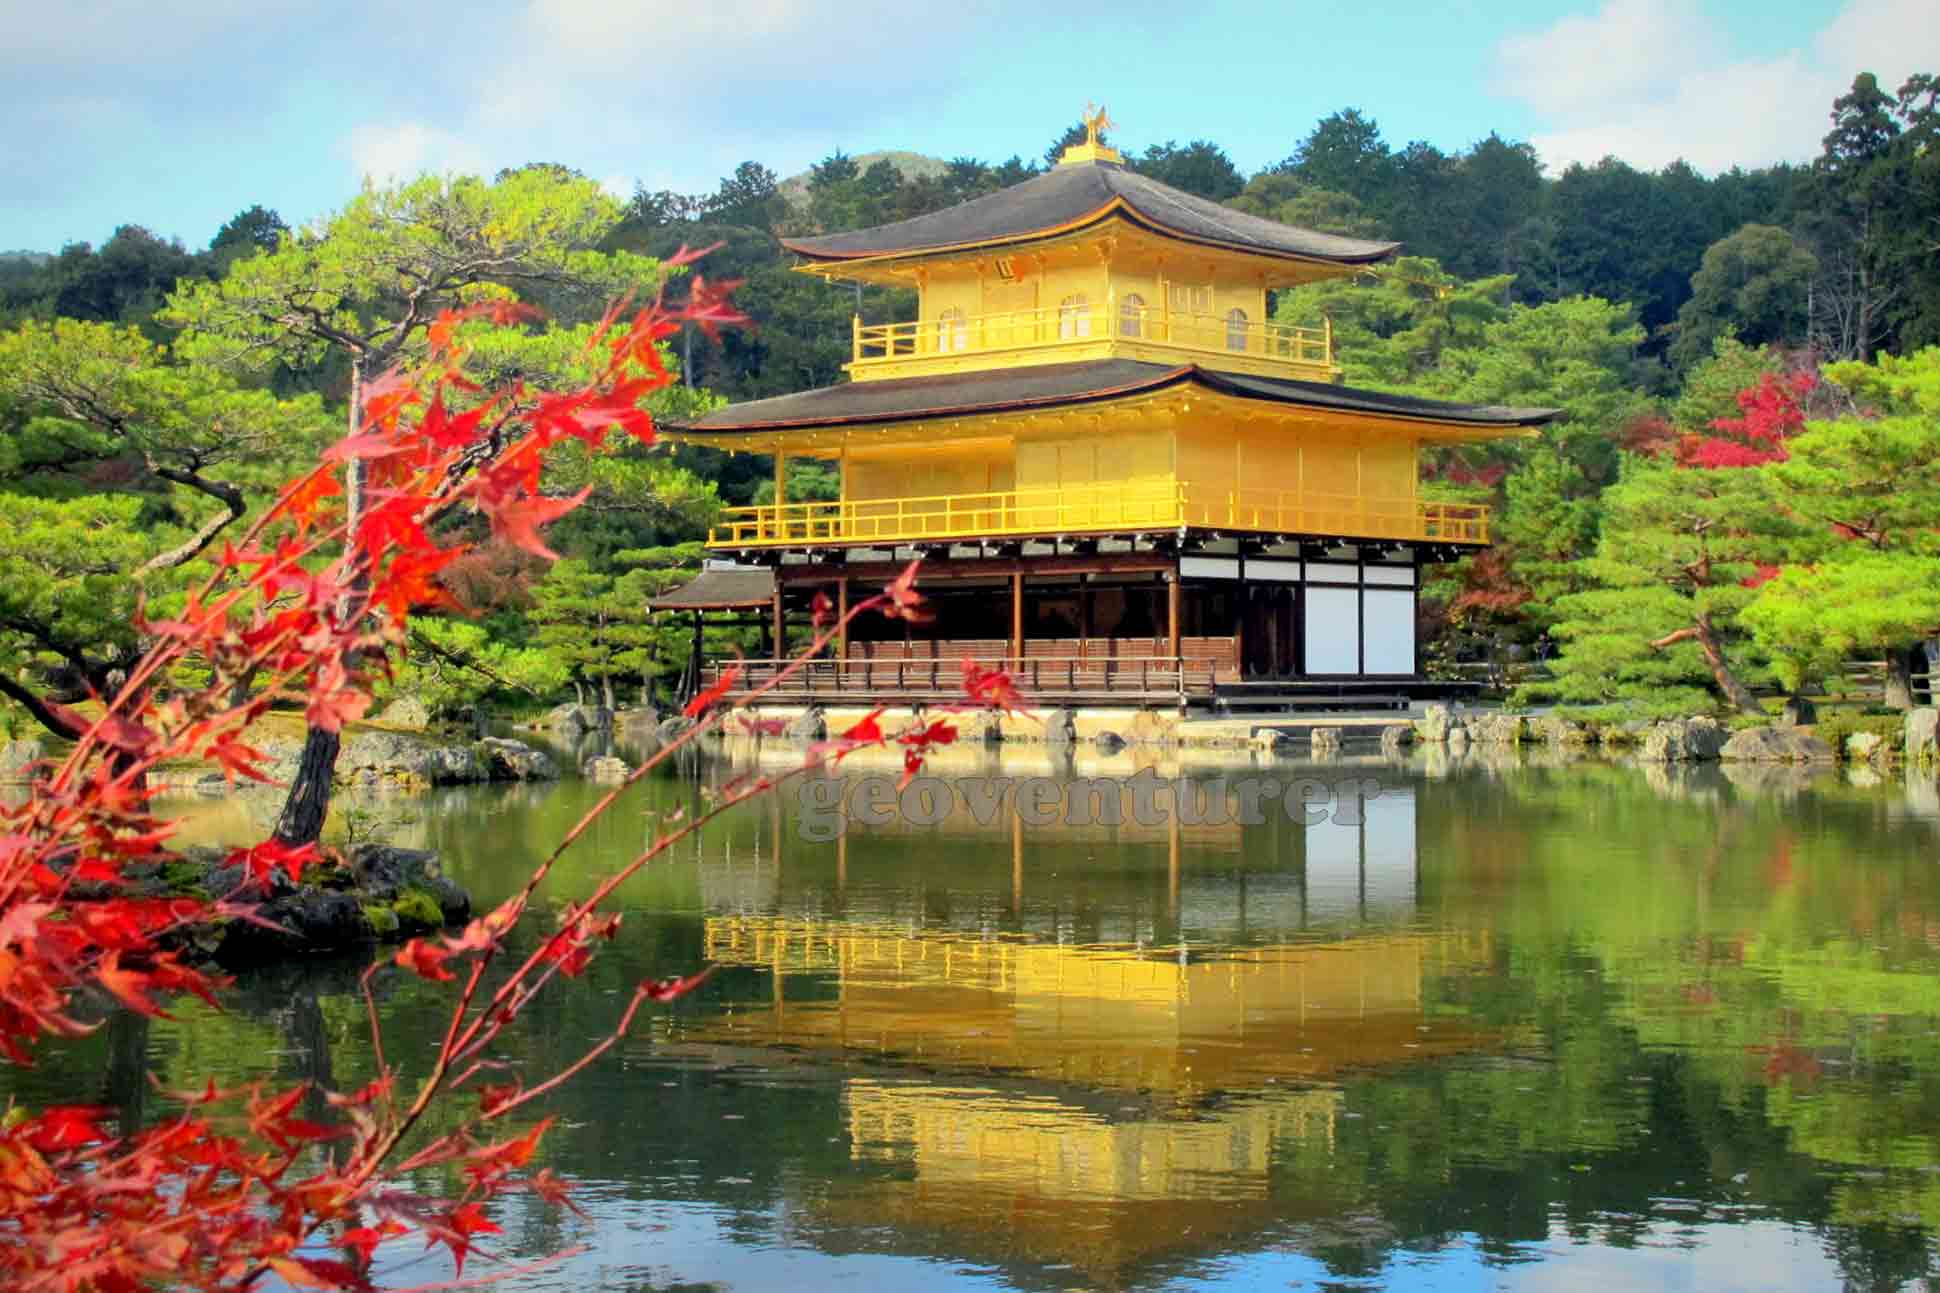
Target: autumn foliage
237 1185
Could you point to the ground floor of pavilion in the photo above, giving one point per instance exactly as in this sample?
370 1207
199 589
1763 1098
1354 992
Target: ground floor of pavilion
1152 621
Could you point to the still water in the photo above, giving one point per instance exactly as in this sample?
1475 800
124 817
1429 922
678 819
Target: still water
1496 1025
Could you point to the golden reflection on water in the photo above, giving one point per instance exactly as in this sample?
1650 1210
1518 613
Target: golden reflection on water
1132 1101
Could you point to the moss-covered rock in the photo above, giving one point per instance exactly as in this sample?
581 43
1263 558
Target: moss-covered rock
418 911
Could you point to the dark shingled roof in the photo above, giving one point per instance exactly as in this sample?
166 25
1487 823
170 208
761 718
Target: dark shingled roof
720 590
1074 195
1002 389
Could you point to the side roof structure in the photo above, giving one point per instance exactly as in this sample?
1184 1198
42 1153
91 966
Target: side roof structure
720 588
1068 198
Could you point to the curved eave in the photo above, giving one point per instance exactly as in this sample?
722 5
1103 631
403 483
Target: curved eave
1447 423
940 410
822 261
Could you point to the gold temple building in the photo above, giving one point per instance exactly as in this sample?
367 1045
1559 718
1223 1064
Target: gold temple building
1127 482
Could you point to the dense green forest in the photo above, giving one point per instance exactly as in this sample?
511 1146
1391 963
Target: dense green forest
1741 490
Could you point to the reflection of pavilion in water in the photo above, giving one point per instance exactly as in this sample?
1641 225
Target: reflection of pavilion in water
1105 1104
1101 1106
1356 866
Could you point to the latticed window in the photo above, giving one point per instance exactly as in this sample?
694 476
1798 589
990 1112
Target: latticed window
1187 299
1236 329
1074 317
1131 315
952 330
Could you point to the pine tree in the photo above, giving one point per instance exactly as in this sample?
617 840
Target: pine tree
1681 552
1867 490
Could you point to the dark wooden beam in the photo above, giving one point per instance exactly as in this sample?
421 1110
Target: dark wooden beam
1017 616
842 618
961 568
1172 615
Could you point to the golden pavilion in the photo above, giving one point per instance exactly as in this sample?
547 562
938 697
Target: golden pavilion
1127 482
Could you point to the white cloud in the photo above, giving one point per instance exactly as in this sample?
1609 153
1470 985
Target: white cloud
407 149
1650 81
1629 50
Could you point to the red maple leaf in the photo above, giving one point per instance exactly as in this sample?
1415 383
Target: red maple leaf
262 860
424 958
517 521
905 603
664 990
66 1126
707 699
992 687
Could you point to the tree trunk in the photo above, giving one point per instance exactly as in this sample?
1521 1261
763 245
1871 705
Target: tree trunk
1734 691
1899 679
308 802
606 692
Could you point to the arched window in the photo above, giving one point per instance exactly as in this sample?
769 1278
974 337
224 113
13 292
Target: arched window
952 331
1131 315
1236 329
1074 317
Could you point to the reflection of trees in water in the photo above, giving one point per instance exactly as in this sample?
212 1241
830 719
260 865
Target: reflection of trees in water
1662 955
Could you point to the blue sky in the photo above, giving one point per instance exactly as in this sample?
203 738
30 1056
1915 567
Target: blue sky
178 114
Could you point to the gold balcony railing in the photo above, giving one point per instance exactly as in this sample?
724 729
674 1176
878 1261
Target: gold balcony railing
1099 508
1309 351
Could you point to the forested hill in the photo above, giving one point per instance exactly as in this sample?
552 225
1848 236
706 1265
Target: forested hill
1862 216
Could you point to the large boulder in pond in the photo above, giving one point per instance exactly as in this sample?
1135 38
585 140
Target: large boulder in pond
809 727
1922 734
1565 733
1496 729
1867 747
1776 745
573 720
386 873
408 712
383 894
605 769
400 761
1436 722
1682 740
1060 728
508 760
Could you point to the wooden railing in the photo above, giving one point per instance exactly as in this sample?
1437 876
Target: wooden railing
1059 510
1310 350
1068 668
1286 511
1100 508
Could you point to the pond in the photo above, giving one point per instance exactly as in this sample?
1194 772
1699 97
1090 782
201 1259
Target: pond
1437 1025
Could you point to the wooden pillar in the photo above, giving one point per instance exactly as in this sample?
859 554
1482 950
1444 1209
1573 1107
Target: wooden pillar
1172 607
780 629
781 478
1017 616
842 618
1239 619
